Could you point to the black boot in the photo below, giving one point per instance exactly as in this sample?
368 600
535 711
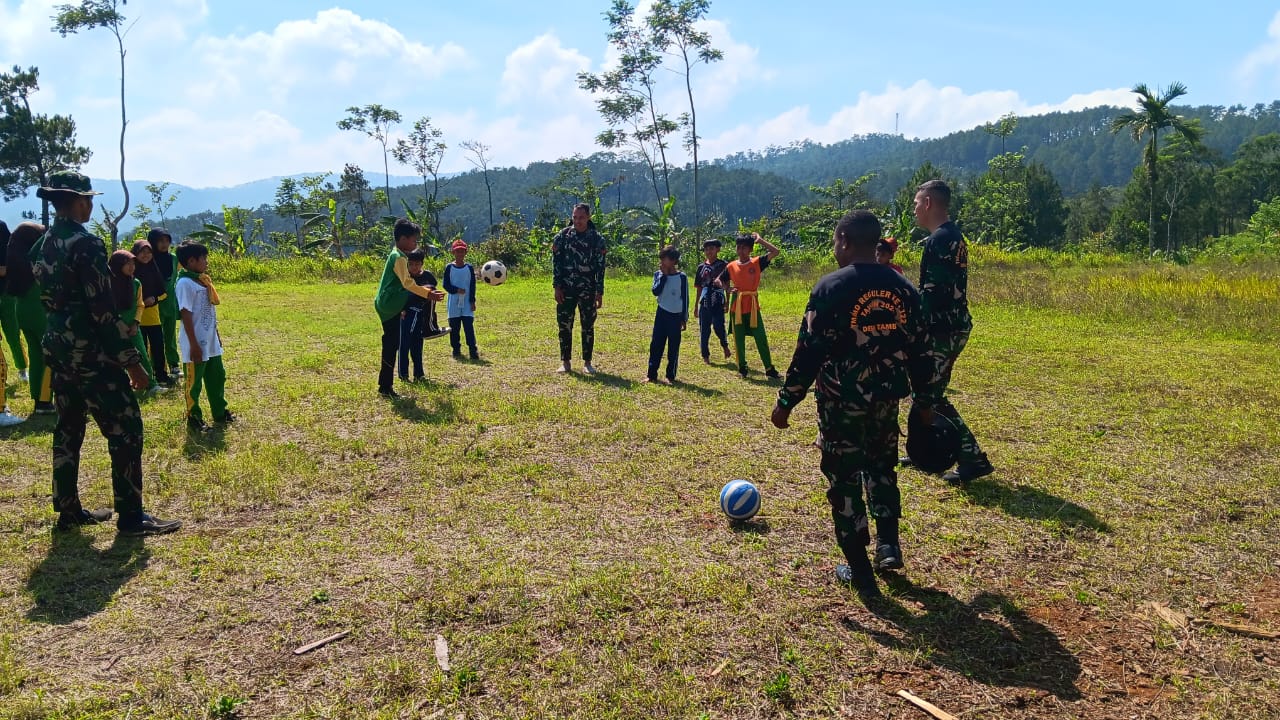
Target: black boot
888 549
858 573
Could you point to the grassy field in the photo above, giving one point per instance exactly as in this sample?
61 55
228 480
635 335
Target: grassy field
560 533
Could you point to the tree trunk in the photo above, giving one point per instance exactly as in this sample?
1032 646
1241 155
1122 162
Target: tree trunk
124 123
693 141
489 189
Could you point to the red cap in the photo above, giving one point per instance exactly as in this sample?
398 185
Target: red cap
458 245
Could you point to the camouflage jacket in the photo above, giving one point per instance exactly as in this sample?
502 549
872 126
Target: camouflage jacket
863 340
70 266
577 261
944 280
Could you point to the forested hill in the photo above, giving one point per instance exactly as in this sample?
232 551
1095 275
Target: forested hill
1077 147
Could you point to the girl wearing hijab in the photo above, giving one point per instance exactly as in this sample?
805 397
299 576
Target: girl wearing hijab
153 293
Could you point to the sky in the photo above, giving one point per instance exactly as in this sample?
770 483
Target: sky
221 92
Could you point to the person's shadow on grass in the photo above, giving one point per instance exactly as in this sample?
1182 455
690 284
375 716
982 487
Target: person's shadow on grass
434 411
603 378
988 639
1032 503
697 389
76 580
197 445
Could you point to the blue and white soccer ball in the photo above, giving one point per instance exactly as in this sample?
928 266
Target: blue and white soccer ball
740 500
493 273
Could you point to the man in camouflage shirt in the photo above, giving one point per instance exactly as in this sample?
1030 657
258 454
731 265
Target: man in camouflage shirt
944 288
577 273
94 366
863 340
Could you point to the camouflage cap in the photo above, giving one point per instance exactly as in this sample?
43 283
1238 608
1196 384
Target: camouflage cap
68 181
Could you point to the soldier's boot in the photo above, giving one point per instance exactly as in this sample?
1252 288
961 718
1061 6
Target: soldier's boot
857 573
140 523
68 519
888 549
966 472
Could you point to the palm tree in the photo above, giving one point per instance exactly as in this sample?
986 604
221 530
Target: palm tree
1154 114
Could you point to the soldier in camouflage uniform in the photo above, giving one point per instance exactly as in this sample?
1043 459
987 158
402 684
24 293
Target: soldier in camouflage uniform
577 273
94 365
944 287
863 340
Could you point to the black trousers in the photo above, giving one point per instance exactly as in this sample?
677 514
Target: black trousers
666 334
390 348
154 335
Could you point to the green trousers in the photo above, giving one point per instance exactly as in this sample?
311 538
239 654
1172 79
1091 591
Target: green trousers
141 346
9 328
169 327
211 377
32 322
740 333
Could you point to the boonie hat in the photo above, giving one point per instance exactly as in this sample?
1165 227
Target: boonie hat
68 181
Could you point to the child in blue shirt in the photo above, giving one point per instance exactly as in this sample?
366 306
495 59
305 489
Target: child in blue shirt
671 287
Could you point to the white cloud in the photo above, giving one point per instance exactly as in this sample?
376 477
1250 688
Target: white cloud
921 110
543 73
334 51
25 26
1263 62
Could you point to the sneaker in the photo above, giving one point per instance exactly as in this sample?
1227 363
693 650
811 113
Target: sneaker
389 394
68 520
905 462
175 371
44 408
8 419
743 373
564 368
196 426
772 374
227 418
587 369
967 472
863 584
475 354
144 524
457 353
888 557
433 334
22 376
403 378
668 381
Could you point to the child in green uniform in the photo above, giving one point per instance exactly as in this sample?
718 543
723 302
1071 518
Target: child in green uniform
200 343
126 293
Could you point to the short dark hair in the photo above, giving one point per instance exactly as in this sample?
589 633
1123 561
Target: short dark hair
190 250
939 190
669 251
859 228
415 256
582 206
745 239
407 228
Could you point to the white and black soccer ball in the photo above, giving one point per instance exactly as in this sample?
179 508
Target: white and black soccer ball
493 273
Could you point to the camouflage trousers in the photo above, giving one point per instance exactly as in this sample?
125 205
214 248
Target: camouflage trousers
859 454
100 388
585 304
949 345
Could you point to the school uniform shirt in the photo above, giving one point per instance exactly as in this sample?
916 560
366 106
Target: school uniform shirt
194 298
460 278
673 293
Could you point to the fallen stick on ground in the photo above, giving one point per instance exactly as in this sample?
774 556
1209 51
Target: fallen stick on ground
926 706
723 664
442 653
1240 629
321 643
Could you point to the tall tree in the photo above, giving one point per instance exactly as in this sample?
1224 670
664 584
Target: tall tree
1154 114
478 155
32 146
374 121
673 24
423 150
352 188
628 102
90 14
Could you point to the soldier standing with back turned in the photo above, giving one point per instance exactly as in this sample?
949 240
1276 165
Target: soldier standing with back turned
94 365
